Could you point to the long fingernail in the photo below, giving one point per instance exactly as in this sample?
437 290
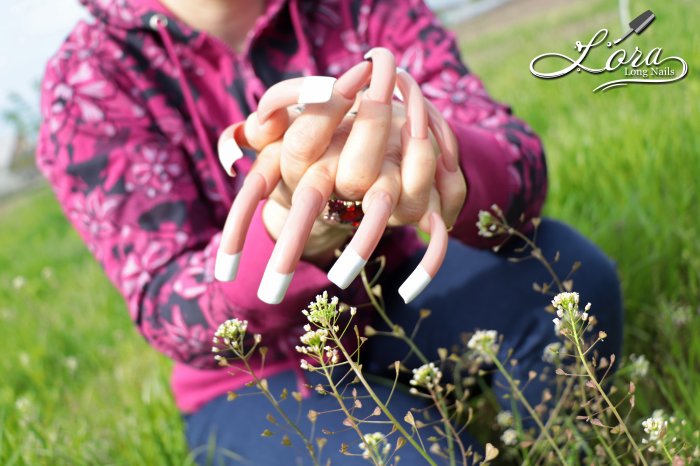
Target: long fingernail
381 86
346 268
362 245
416 110
316 90
431 262
306 204
274 285
229 154
226 267
350 82
414 284
442 132
306 90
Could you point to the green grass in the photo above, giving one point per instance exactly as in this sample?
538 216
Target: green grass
81 387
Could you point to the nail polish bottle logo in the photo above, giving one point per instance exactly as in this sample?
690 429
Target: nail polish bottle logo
637 67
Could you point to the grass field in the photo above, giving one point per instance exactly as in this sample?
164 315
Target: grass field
79 386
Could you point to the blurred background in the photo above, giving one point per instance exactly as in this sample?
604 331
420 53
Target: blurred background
81 387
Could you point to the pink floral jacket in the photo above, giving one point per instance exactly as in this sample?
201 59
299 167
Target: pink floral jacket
133 103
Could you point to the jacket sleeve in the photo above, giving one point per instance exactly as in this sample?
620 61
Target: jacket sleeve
501 158
133 197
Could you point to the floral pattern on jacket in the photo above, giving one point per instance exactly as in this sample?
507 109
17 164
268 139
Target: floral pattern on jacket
119 147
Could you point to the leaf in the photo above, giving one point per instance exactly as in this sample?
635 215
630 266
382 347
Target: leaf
409 418
491 452
230 396
284 394
266 433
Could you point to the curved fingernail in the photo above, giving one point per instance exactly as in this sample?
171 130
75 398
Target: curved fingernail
414 284
230 151
306 90
416 109
430 264
364 242
306 204
316 90
353 80
381 85
443 135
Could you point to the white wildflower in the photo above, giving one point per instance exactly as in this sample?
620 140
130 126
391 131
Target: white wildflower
551 352
71 363
569 316
375 444
484 344
509 437
47 273
322 311
427 376
504 419
314 341
655 427
639 365
489 225
231 330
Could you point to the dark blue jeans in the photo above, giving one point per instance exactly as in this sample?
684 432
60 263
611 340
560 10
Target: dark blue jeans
474 289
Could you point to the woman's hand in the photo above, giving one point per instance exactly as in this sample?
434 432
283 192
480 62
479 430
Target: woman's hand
383 156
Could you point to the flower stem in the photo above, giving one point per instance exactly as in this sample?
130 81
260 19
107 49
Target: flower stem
266 392
358 373
576 339
527 406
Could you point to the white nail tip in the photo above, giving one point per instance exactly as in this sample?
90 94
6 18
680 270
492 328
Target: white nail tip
316 90
226 267
346 268
229 153
274 286
367 55
414 284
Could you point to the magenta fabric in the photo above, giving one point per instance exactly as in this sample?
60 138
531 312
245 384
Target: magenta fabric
132 113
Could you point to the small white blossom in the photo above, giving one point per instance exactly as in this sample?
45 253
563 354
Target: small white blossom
655 427
427 376
375 443
569 316
504 419
314 341
639 365
230 330
322 311
550 353
509 437
484 343
489 225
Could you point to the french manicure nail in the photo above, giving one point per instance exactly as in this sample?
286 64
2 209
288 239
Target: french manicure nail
229 153
414 284
226 266
273 285
346 268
